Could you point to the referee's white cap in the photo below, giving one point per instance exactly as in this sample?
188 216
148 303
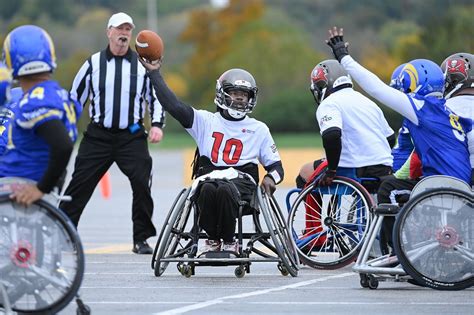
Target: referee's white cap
120 18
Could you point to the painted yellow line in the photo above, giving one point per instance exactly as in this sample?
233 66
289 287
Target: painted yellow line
292 160
110 249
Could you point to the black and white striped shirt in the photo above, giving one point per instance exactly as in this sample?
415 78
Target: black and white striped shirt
118 89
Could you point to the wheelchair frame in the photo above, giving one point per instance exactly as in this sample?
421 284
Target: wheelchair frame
444 238
178 241
35 280
340 222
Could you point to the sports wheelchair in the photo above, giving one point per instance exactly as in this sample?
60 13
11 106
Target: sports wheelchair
41 256
433 238
179 238
329 223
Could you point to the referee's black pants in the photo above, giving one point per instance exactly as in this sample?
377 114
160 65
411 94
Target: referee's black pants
99 149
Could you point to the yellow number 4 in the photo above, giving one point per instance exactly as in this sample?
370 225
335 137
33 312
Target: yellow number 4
38 93
70 112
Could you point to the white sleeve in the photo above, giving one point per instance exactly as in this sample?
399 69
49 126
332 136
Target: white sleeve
81 85
328 115
369 82
202 122
268 151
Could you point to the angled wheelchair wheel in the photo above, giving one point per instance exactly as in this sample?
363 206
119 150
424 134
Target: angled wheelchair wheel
169 241
328 224
162 231
434 238
41 257
279 234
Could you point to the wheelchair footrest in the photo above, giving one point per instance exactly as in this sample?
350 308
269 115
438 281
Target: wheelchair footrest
220 254
387 209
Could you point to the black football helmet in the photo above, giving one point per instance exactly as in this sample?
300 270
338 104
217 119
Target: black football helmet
327 77
236 79
458 72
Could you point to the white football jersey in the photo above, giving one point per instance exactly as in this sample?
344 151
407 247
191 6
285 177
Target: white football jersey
364 129
463 105
233 143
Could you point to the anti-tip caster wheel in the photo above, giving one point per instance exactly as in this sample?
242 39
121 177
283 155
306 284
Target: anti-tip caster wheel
373 283
364 280
239 272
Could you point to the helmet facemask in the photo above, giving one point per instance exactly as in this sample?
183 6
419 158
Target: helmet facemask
235 80
318 89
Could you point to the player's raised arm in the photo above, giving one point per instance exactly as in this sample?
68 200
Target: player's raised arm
367 80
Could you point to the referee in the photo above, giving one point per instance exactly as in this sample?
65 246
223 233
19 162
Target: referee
118 89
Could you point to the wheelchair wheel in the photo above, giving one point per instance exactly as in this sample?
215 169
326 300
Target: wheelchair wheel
171 233
41 257
279 234
160 237
328 224
434 239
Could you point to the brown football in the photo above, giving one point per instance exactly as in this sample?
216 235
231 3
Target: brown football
149 45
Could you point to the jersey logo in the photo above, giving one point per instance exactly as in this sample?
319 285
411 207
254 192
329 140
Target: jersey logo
324 119
244 130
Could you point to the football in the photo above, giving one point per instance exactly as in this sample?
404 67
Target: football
149 45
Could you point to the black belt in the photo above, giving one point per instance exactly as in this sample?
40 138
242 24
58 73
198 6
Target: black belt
112 129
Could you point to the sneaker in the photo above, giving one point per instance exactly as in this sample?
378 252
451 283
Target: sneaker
142 248
231 246
211 246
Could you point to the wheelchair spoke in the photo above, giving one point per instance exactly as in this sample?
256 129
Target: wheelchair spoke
343 231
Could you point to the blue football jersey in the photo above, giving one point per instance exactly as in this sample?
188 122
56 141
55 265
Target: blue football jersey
404 147
6 115
27 154
440 139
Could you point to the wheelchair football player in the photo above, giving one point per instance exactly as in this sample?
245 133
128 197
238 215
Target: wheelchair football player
181 235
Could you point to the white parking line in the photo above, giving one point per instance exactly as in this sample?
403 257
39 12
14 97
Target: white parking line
195 287
220 300
361 303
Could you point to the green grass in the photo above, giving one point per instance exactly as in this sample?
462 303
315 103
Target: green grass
287 140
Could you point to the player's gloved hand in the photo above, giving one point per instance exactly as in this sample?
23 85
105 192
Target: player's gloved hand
337 44
268 185
327 178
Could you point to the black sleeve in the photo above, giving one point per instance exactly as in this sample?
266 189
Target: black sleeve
60 147
180 111
392 140
332 146
275 170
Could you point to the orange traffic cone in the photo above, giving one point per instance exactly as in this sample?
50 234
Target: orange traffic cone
105 187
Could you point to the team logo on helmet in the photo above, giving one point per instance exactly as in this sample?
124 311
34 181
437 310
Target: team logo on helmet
319 74
409 78
457 66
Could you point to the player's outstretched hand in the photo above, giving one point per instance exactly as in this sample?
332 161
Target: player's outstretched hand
151 65
337 44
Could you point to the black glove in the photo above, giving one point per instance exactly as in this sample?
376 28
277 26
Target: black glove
268 185
337 44
327 178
